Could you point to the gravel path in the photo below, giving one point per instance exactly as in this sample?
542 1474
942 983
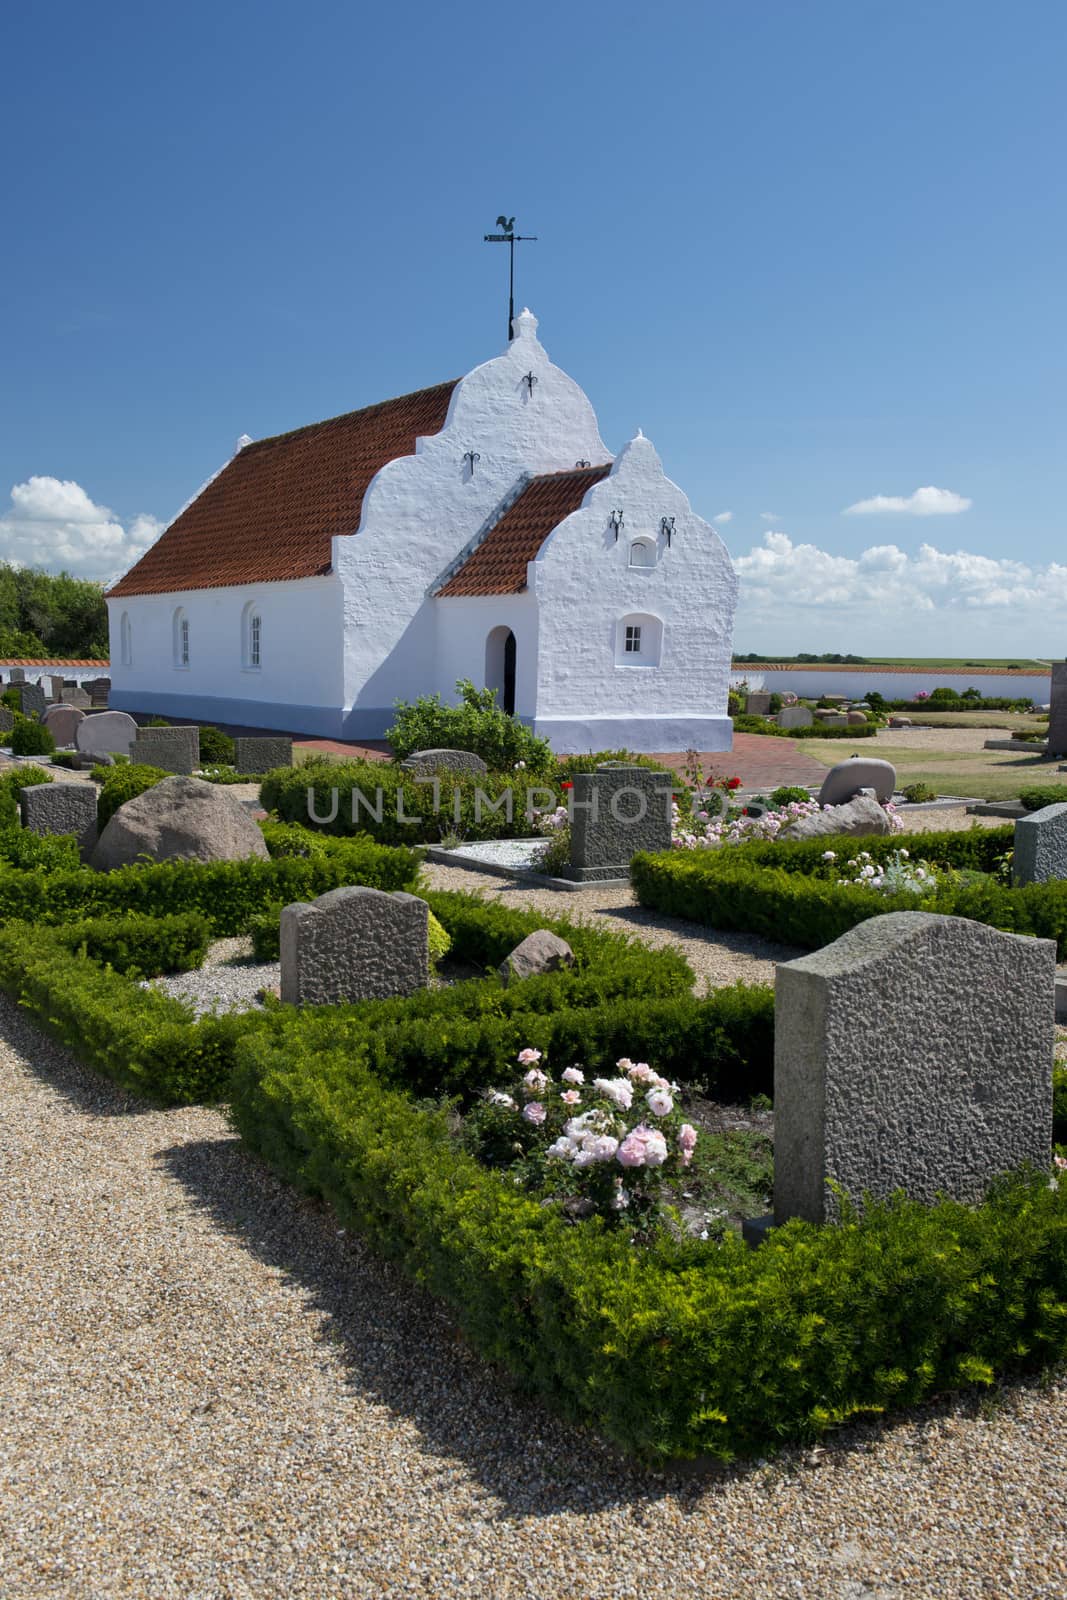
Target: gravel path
210 1393
229 979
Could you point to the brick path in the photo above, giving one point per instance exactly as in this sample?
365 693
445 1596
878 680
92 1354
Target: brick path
761 763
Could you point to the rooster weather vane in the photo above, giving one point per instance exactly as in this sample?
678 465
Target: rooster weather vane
508 236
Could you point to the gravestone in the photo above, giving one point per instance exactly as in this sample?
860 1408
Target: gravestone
175 749
832 719
97 689
900 722
913 1053
106 733
1057 720
31 699
615 812
757 705
61 808
75 695
856 719
62 723
55 688
179 819
18 675
354 944
795 717
262 755
444 761
1041 846
7 719
859 772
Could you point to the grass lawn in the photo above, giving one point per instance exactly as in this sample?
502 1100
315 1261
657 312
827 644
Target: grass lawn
978 719
990 774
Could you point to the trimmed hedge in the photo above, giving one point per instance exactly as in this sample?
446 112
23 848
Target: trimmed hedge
746 724
766 889
683 1349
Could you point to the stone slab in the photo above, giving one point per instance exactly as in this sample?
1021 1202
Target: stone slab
795 717
615 812
75 695
62 723
1041 846
354 944
48 808
1061 997
444 761
7 719
914 1053
847 778
32 700
832 719
107 733
757 705
1057 717
262 755
174 749
18 675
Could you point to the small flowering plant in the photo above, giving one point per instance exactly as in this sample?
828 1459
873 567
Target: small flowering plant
898 875
602 1148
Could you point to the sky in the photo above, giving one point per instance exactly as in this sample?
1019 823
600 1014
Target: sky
817 252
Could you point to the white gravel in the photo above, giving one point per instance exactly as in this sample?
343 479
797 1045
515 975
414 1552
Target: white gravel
229 980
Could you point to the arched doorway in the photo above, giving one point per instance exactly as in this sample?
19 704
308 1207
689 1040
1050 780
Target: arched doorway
500 667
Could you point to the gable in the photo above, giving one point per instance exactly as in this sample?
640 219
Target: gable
272 512
498 564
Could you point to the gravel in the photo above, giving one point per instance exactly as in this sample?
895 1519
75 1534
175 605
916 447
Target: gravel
211 1392
229 980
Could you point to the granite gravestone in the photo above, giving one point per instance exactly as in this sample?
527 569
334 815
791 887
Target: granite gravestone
1041 846
795 717
354 944
7 719
1057 719
175 749
256 756
860 772
61 808
757 704
75 695
18 675
62 723
913 1053
615 812
31 699
429 761
107 733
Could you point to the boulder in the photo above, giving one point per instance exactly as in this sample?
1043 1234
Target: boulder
856 719
539 952
859 772
900 722
444 761
107 733
862 815
181 819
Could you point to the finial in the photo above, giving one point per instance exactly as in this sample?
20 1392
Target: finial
525 324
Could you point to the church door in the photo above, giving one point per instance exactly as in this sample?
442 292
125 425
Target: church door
500 667
509 674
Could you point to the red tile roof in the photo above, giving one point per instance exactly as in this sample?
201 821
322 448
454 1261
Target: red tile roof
271 512
498 564
50 661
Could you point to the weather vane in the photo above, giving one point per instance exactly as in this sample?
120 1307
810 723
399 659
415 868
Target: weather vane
511 239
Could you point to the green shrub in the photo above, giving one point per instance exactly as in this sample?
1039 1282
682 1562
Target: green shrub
21 777
915 792
476 724
140 947
683 1349
216 748
946 696
1041 795
747 724
31 738
12 700
53 851
121 784
224 775
65 758
786 793
567 767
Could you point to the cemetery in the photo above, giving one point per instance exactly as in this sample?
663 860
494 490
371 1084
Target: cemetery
702 1222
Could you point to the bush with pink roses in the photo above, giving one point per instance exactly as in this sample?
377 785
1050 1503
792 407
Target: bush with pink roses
600 1148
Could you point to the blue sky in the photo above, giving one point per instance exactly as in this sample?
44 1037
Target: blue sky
816 252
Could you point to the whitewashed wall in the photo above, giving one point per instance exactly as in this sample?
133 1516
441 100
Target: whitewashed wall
421 511
464 623
585 587
298 686
856 681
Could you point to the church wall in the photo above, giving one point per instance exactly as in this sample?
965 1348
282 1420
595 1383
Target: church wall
421 512
298 685
464 623
592 694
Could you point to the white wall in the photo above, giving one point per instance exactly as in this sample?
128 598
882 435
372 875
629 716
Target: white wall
857 681
298 685
585 586
420 512
464 623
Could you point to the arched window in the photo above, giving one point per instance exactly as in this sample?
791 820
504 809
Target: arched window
126 640
500 655
251 637
643 553
181 639
638 640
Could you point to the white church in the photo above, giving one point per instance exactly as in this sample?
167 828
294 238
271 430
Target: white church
479 529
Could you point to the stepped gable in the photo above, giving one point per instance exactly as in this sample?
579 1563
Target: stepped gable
272 511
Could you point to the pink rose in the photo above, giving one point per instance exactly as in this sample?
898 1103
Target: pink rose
534 1112
528 1057
687 1138
534 1081
659 1101
573 1075
571 1097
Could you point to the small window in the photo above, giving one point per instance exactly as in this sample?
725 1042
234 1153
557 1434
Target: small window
642 553
251 637
633 640
126 640
254 630
181 639
638 640
185 642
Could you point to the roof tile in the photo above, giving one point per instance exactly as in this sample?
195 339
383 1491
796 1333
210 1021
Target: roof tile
498 564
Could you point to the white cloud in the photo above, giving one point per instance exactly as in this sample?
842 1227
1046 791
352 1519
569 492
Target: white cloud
769 516
884 601
927 502
54 524
724 516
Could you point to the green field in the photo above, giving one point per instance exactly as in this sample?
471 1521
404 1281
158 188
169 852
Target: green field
982 774
920 663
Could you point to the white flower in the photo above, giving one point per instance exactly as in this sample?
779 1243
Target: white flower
527 1058
499 1098
618 1090
534 1081
829 855
659 1102
563 1150
573 1075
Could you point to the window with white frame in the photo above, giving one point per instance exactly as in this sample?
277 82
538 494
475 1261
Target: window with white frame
251 638
181 639
633 639
638 640
126 640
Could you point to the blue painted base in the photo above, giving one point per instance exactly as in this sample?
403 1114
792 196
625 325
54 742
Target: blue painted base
322 722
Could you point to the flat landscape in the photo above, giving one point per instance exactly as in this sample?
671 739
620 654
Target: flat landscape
951 758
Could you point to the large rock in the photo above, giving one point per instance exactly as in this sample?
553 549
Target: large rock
109 733
181 819
860 772
539 952
444 761
863 815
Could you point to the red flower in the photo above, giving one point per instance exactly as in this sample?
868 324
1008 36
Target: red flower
744 811
733 783
566 786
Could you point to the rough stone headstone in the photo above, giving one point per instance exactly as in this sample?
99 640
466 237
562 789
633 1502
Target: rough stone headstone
175 749
7 719
98 690
832 719
859 816
18 675
1041 845
61 808
913 1053
615 812
75 695
55 688
757 705
180 819
1057 717
859 772
62 723
541 951
107 733
354 944
795 717
31 699
444 761
262 755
